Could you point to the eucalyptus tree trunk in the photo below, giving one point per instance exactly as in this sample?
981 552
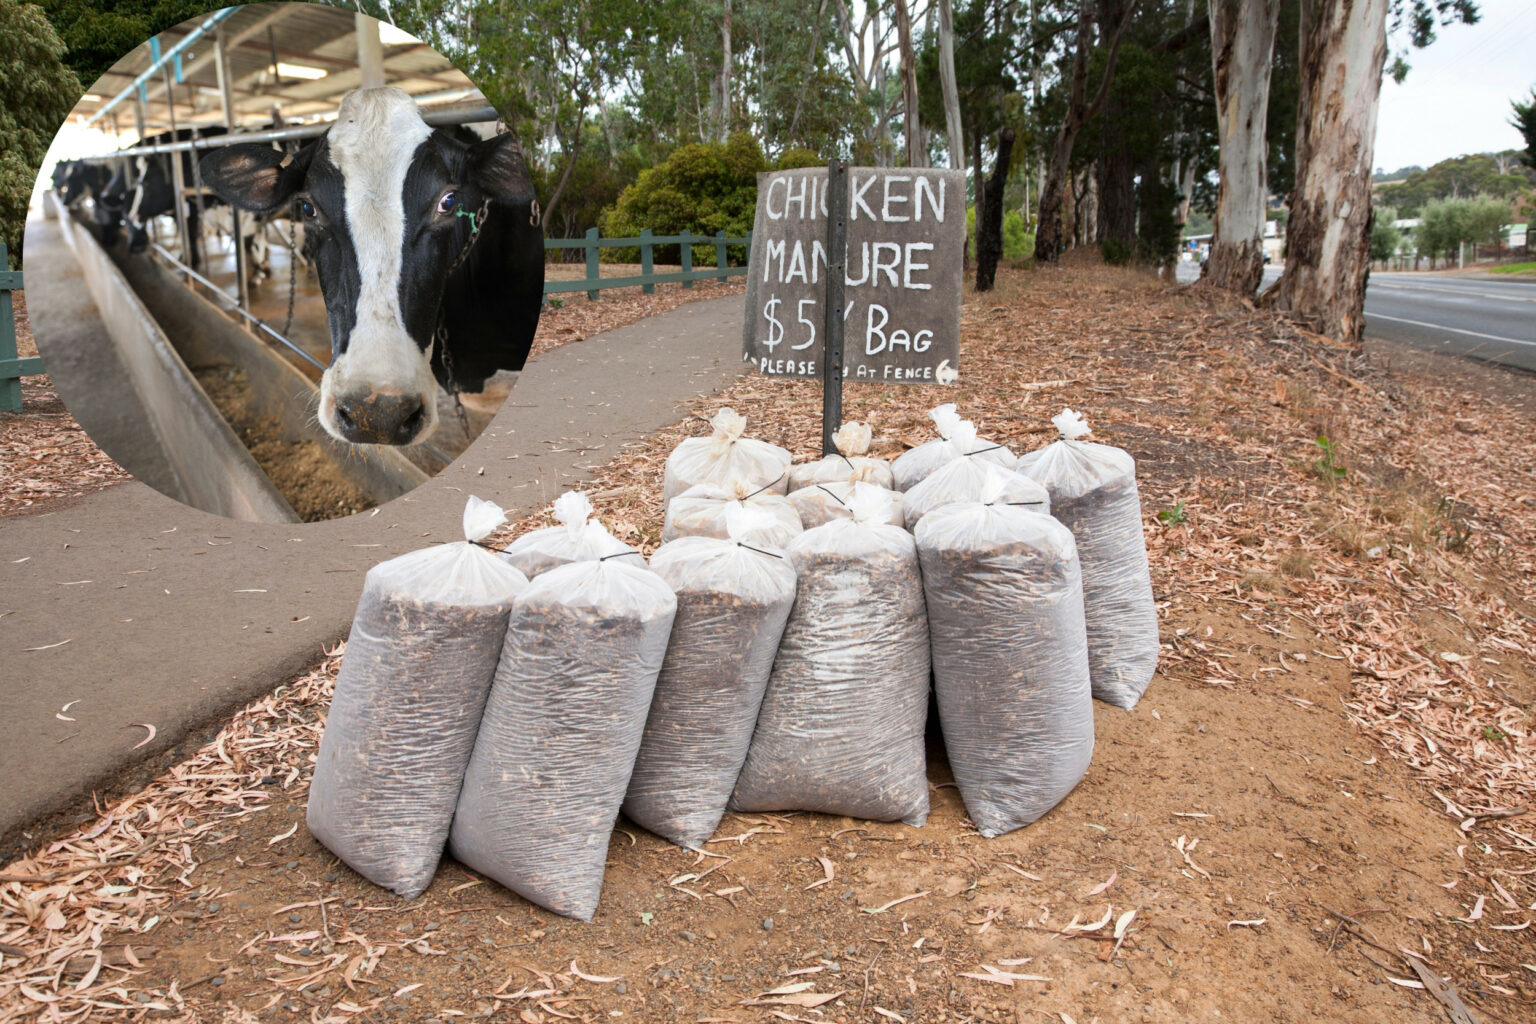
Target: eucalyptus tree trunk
989 213
722 125
1242 51
1048 236
912 127
952 124
1328 237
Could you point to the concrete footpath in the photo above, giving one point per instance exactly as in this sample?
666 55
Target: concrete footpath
134 610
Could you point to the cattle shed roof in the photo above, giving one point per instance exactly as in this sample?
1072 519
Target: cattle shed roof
293 59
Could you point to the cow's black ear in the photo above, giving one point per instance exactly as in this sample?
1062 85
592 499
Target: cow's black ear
255 177
498 168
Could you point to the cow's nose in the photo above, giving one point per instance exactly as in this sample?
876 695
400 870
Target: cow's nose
380 418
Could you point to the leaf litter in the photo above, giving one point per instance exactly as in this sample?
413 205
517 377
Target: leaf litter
1221 406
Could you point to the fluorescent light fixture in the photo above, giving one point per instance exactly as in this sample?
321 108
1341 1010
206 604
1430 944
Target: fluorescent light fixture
300 71
389 35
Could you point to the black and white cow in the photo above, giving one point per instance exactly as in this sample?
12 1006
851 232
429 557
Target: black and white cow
153 193
74 180
419 236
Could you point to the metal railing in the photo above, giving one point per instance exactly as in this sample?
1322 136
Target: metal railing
647 279
12 366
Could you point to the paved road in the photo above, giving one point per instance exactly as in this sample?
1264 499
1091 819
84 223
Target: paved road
1485 319
1492 320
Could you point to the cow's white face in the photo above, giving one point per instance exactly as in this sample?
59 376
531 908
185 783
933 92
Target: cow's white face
379 387
389 209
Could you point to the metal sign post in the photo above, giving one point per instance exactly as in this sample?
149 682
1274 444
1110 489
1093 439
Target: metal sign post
832 329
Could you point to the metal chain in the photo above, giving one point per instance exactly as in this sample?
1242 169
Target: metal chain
440 335
293 270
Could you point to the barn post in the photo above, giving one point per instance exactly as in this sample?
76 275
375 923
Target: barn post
686 256
370 52
231 122
178 185
592 251
832 325
646 262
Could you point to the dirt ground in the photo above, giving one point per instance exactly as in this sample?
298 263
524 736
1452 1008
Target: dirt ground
1320 807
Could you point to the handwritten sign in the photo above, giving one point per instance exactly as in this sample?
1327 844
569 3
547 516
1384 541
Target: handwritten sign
904 263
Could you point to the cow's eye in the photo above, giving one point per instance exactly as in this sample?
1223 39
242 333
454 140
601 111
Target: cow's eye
306 209
448 203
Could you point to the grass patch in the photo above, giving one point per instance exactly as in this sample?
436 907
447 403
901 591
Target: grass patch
1528 267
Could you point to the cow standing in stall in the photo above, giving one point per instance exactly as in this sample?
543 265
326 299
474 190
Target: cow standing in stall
74 180
429 250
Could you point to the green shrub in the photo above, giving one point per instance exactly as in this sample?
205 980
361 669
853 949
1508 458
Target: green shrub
797 156
703 188
1018 242
1116 251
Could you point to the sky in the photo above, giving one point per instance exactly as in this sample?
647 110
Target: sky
1456 97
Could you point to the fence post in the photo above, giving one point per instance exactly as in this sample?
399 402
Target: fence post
720 253
592 251
687 256
649 288
11 367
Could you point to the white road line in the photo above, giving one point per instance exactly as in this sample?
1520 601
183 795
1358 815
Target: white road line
1499 296
1442 327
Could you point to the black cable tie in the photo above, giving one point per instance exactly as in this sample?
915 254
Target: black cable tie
488 547
763 488
621 554
979 451
749 547
835 498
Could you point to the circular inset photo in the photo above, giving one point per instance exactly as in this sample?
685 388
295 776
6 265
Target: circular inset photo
284 266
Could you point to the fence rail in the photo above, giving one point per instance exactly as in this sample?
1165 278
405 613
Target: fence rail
12 366
647 279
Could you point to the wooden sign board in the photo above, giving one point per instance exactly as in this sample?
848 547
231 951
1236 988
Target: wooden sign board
902 278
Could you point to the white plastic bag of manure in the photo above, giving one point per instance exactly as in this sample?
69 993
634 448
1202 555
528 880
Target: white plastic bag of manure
821 502
841 728
1093 492
849 463
419 661
578 538
702 511
725 457
967 479
733 599
561 729
957 437
1010 660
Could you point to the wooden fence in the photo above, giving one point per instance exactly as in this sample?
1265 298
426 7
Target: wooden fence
12 367
647 279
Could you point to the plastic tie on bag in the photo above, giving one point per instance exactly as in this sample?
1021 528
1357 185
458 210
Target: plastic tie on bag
866 504
1071 424
945 418
852 438
741 521
727 425
481 518
963 437
573 510
993 487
